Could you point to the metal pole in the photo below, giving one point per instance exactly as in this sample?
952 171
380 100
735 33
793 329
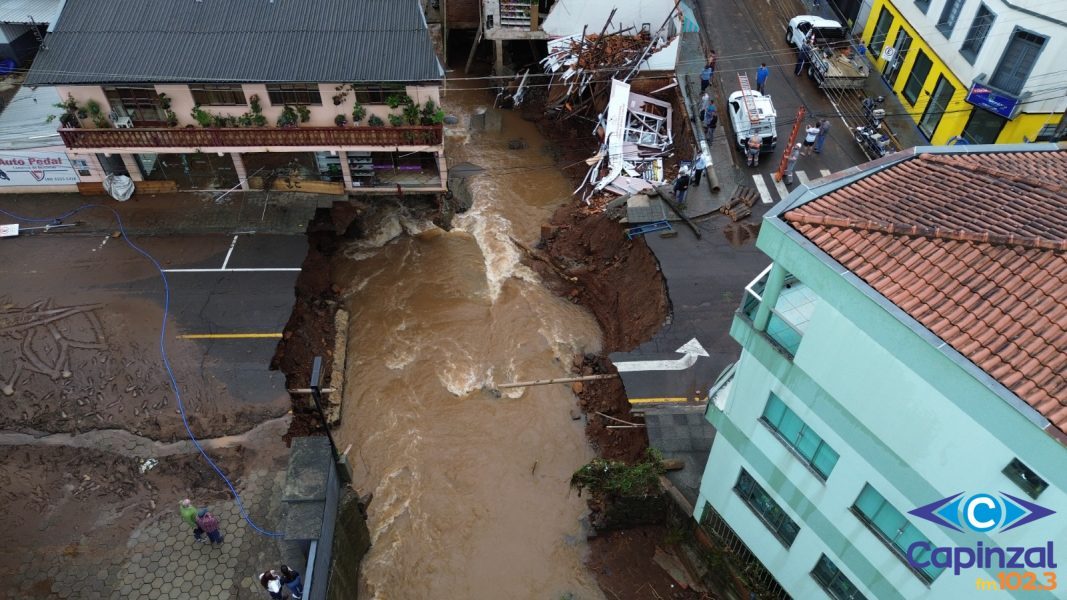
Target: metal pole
316 395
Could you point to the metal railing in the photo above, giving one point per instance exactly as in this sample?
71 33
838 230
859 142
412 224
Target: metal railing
223 137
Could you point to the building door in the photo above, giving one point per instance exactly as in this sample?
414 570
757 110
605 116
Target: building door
939 100
892 67
983 127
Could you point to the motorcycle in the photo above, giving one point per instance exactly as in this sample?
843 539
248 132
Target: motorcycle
874 143
874 115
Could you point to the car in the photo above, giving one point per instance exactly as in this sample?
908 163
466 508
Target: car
755 117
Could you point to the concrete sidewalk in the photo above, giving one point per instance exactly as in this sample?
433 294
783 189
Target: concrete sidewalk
174 213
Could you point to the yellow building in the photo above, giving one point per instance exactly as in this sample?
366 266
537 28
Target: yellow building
974 71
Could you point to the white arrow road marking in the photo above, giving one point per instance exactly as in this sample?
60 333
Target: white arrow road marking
691 351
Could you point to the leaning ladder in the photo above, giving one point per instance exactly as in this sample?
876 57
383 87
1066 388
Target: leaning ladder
746 94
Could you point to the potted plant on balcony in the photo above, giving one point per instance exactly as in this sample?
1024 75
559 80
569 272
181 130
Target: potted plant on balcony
398 100
396 120
375 121
304 112
164 101
202 117
92 107
288 118
172 119
340 120
358 112
431 114
411 114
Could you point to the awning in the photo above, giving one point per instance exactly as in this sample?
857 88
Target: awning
689 18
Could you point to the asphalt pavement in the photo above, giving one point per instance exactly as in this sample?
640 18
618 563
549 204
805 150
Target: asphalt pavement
706 276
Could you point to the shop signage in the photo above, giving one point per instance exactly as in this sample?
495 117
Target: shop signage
36 168
995 102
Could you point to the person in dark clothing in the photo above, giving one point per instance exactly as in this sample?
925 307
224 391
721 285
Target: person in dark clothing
681 186
705 77
292 580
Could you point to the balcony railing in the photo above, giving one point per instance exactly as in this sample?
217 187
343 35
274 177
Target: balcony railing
223 137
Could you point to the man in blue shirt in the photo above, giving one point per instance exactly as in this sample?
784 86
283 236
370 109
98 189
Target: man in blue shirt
705 76
761 77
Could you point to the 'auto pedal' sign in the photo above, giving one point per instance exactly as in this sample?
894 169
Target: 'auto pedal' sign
36 168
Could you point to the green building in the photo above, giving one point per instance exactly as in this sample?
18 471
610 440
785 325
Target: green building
907 344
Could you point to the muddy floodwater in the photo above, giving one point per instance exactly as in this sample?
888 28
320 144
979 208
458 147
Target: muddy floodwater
471 496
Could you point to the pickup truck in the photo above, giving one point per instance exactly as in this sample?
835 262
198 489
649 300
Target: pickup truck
824 45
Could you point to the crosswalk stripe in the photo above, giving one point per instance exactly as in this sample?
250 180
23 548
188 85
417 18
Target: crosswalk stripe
780 186
764 193
802 177
824 172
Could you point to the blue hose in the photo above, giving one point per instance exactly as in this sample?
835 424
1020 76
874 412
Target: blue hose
162 346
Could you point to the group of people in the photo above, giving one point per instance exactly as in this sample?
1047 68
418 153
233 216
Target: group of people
285 583
282 582
202 522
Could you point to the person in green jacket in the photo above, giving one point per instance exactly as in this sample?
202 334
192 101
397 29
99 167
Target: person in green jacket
189 512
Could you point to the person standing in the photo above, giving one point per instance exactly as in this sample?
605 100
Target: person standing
752 150
791 163
681 186
272 582
705 102
810 134
188 513
699 164
207 521
802 62
705 76
820 139
711 121
761 77
292 580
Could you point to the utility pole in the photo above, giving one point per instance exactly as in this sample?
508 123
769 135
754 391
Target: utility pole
315 383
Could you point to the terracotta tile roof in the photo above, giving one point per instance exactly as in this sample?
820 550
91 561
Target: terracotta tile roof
973 247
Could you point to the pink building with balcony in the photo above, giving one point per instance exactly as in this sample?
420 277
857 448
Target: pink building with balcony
317 95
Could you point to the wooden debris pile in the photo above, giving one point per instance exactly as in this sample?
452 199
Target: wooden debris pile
582 67
740 204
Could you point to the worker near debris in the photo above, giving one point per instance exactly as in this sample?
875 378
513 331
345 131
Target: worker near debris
711 121
699 164
705 76
681 186
705 102
188 513
761 77
752 149
791 163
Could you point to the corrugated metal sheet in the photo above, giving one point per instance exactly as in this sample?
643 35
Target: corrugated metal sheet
150 41
27 11
22 122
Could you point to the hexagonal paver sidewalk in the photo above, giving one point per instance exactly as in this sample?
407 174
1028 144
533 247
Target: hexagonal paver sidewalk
162 561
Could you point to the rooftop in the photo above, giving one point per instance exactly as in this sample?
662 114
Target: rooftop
24 121
973 246
237 41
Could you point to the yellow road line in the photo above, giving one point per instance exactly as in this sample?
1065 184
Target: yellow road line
229 336
656 400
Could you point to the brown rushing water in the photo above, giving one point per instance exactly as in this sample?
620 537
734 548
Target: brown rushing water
471 495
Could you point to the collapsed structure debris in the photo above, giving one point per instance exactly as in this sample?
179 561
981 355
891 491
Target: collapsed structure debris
635 133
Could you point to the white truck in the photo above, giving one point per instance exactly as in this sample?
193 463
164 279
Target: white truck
752 113
824 46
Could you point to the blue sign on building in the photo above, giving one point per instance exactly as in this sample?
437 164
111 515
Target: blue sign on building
995 102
